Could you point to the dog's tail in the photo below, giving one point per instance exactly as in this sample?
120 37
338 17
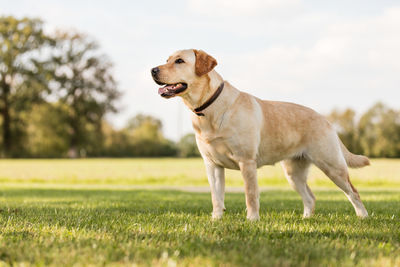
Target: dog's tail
352 160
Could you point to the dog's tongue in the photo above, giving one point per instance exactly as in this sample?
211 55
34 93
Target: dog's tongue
164 91
168 89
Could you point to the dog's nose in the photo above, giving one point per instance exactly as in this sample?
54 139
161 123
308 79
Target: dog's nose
155 71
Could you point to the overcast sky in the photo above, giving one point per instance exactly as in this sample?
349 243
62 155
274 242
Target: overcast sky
323 54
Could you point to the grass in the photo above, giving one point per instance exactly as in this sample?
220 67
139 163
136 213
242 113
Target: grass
176 172
78 212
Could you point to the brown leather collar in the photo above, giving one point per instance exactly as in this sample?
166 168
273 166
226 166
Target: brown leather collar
198 110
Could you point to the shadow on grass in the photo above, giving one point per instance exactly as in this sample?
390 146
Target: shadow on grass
158 221
148 201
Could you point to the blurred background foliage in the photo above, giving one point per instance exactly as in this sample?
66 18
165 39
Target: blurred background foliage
55 90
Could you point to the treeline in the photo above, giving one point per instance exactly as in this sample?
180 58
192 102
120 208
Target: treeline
376 133
142 136
55 90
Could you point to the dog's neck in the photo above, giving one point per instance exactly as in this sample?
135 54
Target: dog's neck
202 90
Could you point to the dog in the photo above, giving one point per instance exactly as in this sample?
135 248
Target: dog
236 130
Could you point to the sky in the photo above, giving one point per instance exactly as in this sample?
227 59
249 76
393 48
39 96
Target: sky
322 54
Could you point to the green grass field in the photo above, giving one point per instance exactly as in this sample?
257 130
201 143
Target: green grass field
91 212
172 172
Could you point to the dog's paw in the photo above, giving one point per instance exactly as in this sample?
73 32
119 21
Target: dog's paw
307 214
253 217
217 215
362 215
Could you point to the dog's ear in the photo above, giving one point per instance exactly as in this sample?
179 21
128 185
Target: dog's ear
204 62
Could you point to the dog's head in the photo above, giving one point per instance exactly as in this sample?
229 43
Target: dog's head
183 71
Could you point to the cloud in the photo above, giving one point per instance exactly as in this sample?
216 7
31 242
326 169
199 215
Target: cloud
240 7
350 60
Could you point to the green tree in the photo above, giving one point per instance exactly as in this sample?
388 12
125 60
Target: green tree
47 131
23 78
147 139
380 131
117 143
83 81
145 127
187 146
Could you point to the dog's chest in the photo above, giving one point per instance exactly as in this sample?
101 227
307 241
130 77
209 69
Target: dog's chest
219 145
219 150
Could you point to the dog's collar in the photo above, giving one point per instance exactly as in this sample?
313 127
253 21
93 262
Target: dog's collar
198 110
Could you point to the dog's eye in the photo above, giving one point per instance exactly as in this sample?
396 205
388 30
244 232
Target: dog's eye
179 61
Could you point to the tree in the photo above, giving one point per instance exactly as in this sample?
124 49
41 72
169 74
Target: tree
46 131
84 82
380 131
146 137
117 143
23 79
145 127
187 146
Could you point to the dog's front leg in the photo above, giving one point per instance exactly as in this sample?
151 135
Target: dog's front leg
216 178
249 173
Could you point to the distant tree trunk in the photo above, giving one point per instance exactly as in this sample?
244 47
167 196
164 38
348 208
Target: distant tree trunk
5 113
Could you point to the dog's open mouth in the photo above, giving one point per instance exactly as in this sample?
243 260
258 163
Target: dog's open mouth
171 90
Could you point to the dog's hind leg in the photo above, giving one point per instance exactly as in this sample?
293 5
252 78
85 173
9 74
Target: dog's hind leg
296 171
329 158
340 176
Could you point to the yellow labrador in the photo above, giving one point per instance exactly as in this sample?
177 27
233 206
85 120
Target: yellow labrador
236 130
